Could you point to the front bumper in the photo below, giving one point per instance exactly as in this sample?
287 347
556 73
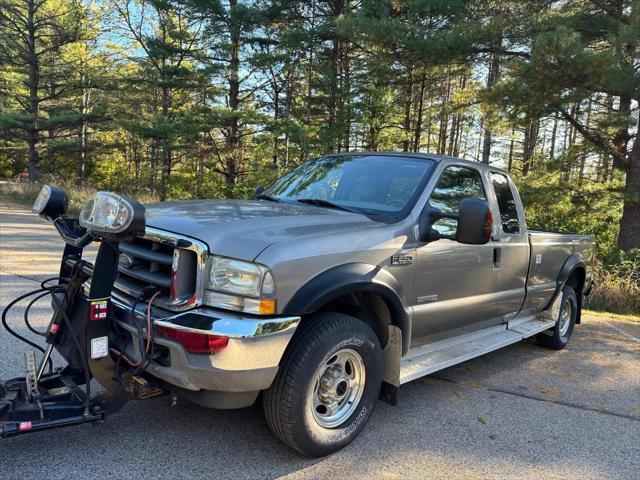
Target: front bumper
249 363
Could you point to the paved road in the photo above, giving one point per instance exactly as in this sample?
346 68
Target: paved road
520 412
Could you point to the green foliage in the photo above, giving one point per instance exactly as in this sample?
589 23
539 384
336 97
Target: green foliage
553 205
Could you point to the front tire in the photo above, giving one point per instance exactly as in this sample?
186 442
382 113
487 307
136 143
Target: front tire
327 386
558 337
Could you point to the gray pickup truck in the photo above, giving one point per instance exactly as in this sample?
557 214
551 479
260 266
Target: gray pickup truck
349 276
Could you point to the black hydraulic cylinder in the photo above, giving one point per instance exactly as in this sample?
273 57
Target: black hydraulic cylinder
11 429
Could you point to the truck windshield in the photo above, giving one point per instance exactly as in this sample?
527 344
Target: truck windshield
370 184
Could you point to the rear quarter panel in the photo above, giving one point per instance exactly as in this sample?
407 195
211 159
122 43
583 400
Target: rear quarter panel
549 251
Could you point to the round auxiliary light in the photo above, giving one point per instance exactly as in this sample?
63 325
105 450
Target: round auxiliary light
51 202
113 215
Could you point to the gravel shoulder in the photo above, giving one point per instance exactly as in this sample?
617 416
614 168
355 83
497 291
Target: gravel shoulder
521 412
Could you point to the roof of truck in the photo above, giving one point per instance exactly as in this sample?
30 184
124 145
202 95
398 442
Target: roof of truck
429 156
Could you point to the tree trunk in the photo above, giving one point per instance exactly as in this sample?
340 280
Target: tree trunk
406 124
81 151
583 154
552 148
510 164
529 145
233 129
165 172
34 83
276 116
630 222
417 133
305 148
492 77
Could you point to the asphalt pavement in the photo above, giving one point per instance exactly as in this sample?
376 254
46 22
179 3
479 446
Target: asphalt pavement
521 412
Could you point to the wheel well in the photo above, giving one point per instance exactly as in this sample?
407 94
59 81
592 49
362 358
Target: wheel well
369 307
576 280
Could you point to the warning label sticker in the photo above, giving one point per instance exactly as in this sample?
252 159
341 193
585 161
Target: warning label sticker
98 309
99 347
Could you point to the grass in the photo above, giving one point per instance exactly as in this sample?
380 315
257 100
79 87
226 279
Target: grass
615 292
26 193
612 316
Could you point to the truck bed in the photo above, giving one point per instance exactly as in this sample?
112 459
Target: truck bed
549 251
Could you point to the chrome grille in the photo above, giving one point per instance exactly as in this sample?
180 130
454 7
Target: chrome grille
167 261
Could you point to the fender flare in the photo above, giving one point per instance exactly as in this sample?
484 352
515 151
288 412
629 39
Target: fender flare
353 278
571 264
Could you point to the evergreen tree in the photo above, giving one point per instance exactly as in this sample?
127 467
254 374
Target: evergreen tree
33 35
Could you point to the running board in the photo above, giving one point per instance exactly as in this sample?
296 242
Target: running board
421 361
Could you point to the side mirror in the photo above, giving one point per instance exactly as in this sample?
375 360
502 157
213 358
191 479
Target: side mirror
475 223
258 191
51 203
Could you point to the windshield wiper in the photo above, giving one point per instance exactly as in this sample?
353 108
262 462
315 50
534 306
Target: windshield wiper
318 202
267 197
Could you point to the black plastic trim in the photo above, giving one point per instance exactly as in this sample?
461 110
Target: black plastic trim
353 278
571 264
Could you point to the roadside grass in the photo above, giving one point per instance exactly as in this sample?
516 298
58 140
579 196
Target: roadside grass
25 193
617 290
633 318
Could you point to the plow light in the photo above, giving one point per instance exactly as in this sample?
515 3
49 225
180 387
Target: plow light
113 216
51 202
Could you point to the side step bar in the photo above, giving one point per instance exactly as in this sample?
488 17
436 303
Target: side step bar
421 361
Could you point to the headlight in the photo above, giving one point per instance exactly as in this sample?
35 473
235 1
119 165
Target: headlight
235 276
51 202
239 285
113 215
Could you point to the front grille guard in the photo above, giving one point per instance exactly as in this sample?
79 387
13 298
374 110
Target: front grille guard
128 291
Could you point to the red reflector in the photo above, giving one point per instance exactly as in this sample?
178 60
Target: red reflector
194 342
24 426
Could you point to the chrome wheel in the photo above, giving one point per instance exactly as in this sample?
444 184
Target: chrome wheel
338 388
564 320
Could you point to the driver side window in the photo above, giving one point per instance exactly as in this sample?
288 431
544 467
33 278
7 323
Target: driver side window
455 184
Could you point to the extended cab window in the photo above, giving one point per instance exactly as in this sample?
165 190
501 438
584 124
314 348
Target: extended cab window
506 203
455 184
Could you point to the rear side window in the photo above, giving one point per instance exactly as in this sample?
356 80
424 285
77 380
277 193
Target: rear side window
506 203
455 184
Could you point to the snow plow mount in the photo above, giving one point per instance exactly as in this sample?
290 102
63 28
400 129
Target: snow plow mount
80 328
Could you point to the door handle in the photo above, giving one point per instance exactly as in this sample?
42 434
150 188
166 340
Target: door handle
497 257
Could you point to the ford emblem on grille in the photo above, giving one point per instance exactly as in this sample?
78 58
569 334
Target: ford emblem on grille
125 261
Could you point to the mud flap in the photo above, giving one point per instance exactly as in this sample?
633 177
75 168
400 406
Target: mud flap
392 359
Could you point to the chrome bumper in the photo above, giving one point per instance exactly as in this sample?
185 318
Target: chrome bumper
249 362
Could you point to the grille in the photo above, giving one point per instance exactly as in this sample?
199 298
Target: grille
163 263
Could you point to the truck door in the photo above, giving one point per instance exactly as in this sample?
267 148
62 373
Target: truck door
454 282
510 246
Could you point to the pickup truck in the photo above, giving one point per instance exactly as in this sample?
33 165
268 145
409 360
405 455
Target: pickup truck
349 276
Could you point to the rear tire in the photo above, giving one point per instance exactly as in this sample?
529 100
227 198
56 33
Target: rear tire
558 336
327 386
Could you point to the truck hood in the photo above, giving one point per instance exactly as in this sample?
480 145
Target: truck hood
244 228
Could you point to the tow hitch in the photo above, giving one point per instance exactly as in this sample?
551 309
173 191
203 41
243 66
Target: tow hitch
80 328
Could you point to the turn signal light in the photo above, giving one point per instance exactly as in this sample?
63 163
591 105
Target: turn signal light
193 342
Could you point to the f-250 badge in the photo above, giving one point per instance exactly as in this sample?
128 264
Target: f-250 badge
401 259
